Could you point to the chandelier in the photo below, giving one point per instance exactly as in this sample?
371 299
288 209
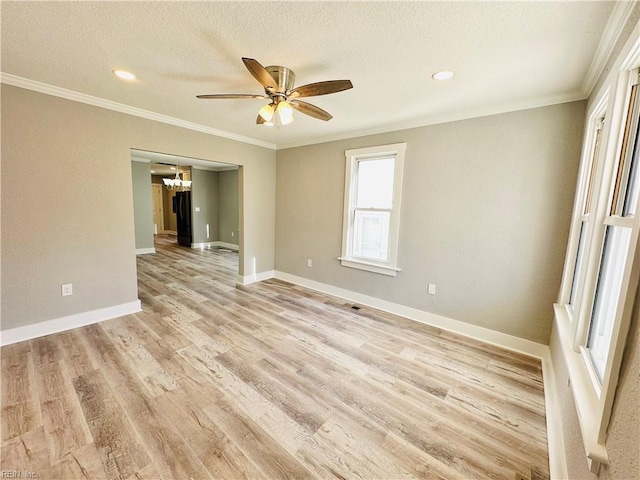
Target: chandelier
177 182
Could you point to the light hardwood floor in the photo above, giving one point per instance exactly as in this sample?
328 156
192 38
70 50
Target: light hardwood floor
266 381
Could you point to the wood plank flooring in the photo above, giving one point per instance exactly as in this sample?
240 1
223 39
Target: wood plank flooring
267 381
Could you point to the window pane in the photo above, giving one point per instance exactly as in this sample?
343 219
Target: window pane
371 235
627 140
592 172
616 246
375 183
631 196
578 264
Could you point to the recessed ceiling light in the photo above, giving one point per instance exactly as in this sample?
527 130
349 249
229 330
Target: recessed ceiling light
443 75
123 74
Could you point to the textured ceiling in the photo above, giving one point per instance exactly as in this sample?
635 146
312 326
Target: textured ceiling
506 55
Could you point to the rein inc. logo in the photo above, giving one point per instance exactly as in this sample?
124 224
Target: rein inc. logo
17 474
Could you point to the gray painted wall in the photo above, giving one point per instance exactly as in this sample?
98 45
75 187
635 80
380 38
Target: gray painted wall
142 204
204 195
228 206
84 233
485 216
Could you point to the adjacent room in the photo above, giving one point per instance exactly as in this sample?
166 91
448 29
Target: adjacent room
294 239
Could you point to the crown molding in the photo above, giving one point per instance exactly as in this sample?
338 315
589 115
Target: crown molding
16 81
612 31
506 107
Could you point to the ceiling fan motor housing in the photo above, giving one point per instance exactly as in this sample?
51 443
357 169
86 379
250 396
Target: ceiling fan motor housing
284 77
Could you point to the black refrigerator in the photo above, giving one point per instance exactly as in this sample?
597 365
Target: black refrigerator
182 207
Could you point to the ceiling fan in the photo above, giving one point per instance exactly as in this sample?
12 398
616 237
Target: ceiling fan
278 87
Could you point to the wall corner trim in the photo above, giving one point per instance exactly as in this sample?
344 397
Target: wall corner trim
57 325
256 277
555 439
144 251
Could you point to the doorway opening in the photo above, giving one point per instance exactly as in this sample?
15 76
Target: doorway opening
172 209
200 212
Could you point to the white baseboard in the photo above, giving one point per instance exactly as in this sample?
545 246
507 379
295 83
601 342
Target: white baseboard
555 440
216 244
479 333
256 277
144 251
230 246
40 329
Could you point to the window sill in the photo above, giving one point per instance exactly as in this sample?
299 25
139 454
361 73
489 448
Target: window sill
369 267
586 398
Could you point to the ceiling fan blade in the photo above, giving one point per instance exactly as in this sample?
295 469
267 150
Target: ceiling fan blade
260 73
311 110
231 95
321 88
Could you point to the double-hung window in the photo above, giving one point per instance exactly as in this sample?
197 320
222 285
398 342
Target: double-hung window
373 190
620 233
586 215
602 268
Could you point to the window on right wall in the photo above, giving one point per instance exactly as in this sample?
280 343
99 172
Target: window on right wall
602 266
620 228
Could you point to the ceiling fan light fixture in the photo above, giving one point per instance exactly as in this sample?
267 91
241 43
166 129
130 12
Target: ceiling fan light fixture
285 113
267 112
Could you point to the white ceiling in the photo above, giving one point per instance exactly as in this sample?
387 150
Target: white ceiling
506 55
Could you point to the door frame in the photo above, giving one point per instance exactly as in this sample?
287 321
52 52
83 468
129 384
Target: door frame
156 187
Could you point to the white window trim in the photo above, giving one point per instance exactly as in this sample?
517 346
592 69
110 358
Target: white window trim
593 123
390 267
594 399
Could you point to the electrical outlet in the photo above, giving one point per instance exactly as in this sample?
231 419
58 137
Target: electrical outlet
233 234
431 288
197 209
309 263
67 289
